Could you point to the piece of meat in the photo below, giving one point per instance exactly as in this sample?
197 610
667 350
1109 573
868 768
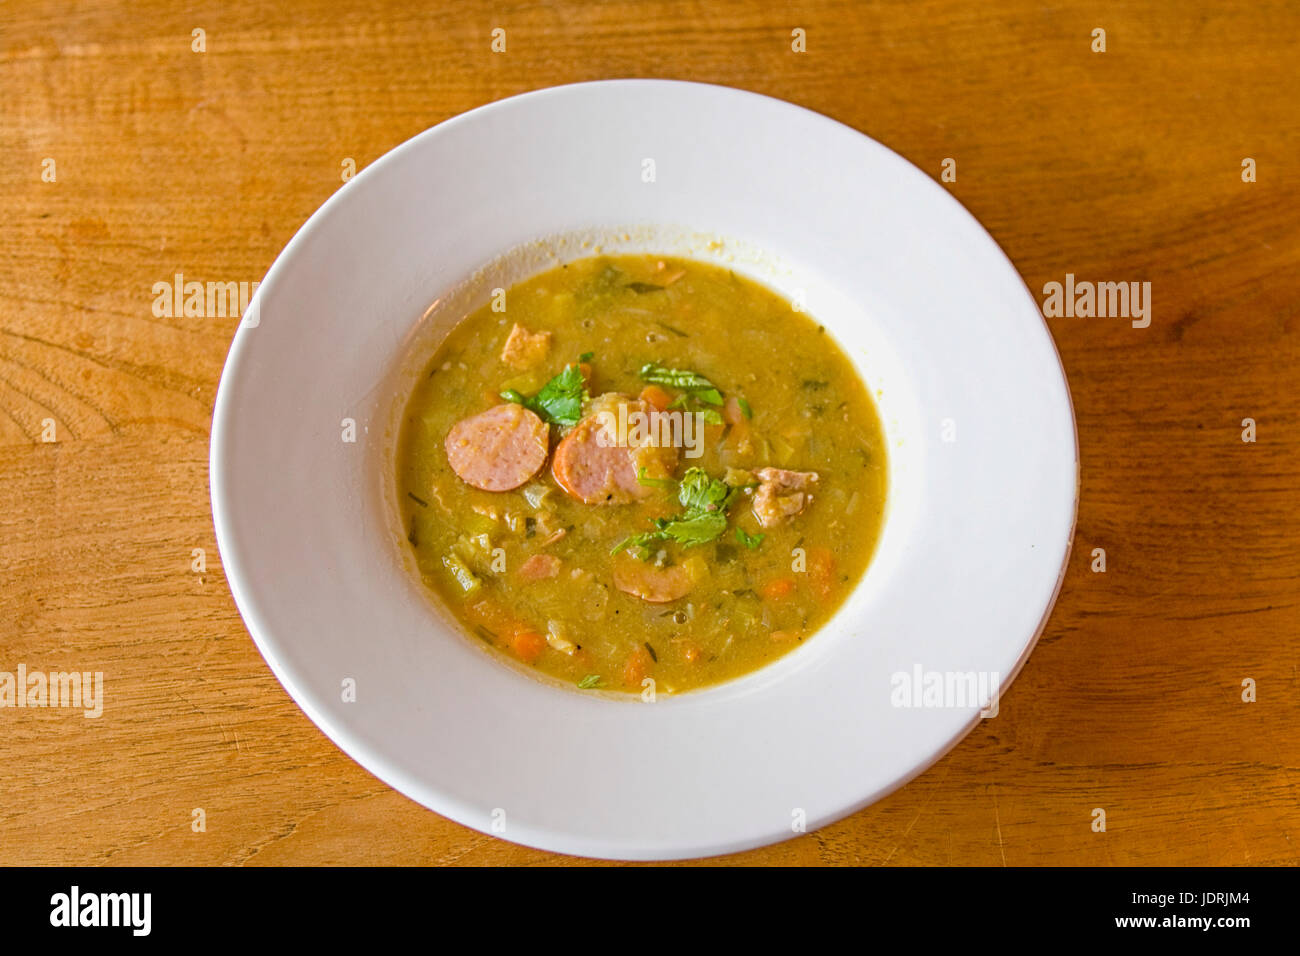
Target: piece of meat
591 465
655 585
524 349
498 449
539 567
781 494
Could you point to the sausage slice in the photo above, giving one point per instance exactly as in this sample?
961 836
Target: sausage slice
593 467
652 585
498 449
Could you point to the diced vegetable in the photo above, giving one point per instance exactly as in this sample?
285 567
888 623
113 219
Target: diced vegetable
776 589
656 396
535 494
464 577
556 632
527 644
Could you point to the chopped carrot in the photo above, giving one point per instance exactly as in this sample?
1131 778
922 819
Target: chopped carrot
585 369
656 396
638 662
776 589
527 644
821 570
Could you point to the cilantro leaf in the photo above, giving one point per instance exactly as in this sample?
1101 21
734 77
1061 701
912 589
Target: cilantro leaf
704 518
560 400
699 492
696 529
750 541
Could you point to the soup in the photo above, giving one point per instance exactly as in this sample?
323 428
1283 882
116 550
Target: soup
641 474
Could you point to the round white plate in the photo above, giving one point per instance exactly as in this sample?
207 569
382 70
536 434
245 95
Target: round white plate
977 413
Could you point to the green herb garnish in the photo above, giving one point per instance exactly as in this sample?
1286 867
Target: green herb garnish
560 400
641 288
750 541
704 518
588 682
699 492
744 407
675 377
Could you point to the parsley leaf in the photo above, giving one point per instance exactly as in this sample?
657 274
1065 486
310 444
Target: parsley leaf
588 682
560 400
704 518
699 492
696 529
750 541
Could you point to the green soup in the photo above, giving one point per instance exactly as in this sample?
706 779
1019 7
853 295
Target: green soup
641 474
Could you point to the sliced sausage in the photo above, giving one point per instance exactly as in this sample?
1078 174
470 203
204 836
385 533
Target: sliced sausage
498 449
782 494
591 465
655 585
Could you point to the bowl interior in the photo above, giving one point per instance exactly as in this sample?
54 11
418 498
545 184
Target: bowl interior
849 322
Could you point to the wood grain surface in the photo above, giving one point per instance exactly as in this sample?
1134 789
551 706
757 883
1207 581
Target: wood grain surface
1115 166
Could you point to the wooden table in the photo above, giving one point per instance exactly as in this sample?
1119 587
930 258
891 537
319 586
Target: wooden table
1115 166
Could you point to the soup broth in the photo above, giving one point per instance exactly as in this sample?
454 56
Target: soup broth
641 473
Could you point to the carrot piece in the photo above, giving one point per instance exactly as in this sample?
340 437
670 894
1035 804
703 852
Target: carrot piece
527 644
776 589
638 662
821 570
585 369
656 396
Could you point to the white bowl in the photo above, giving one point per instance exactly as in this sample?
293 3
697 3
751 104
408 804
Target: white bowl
950 341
